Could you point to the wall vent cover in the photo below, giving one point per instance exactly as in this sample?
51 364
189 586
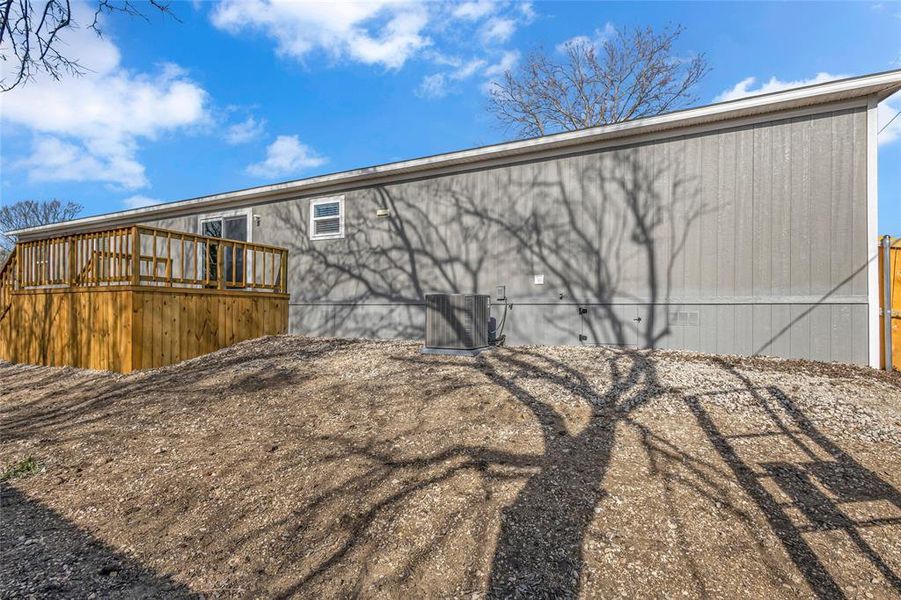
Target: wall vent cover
683 318
456 322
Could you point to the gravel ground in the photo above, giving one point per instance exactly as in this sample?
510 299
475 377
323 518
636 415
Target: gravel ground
289 466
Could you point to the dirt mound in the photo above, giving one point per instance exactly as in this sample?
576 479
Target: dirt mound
328 468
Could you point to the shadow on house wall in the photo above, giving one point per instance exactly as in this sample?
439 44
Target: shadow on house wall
604 230
740 241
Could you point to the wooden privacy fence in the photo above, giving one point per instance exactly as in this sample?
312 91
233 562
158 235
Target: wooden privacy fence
890 300
137 297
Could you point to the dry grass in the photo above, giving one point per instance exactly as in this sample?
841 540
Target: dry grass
329 468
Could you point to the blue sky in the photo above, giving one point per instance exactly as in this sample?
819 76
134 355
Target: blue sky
237 94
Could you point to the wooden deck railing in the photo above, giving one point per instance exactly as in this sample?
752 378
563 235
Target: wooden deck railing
148 256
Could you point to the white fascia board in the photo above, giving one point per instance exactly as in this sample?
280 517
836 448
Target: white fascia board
765 104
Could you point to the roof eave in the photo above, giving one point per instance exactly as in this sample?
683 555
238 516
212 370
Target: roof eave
880 86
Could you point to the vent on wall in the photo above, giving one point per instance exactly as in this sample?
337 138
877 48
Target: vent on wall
456 323
683 318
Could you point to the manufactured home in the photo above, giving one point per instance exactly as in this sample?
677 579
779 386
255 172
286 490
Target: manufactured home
742 227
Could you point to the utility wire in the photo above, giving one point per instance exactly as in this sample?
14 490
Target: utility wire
889 122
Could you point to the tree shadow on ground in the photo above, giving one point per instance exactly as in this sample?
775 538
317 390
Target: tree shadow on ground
815 487
45 555
40 418
525 512
539 549
600 227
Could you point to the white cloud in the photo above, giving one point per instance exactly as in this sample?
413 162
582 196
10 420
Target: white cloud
507 61
528 11
89 128
377 32
286 156
433 86
744 88
476 10
497 30
607 32
473 11
53 159
139 201
386 33
578 40
437 85
468 69
600 36
245 131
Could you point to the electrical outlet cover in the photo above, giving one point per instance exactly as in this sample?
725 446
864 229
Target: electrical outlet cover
539 279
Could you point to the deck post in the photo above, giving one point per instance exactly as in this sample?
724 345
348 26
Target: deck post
169 259
220 267
283 271
135 256
70 279
20 267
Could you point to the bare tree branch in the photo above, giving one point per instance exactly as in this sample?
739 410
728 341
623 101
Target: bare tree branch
631 75
30 36
32 213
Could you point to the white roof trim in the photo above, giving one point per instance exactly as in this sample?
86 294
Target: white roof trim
879 85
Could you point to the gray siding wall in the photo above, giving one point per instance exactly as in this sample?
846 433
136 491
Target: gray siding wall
749 240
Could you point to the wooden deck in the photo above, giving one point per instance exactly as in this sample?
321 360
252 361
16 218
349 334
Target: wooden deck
137 298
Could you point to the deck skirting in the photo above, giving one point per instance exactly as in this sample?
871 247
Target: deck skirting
126 328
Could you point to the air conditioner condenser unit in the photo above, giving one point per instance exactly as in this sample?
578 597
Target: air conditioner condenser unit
456 323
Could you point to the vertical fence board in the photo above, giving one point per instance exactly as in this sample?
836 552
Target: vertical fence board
145 302
894 301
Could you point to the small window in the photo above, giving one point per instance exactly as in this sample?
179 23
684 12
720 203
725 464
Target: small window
327 218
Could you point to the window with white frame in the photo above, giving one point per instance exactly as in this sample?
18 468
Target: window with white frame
327 218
